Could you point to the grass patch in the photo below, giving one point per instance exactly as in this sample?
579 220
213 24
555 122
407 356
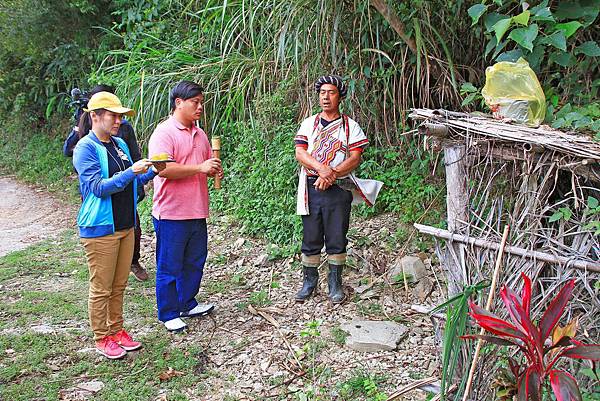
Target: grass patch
260 299
62 256
338 335
372 309
29 370
52 290
363 386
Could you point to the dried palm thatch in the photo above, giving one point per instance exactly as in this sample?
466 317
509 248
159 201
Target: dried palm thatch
522 177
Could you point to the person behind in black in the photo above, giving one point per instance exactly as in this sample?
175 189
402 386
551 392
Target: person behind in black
126 133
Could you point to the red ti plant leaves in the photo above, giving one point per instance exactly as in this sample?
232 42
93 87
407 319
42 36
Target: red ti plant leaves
591 352
536 365
514 367
530 386
555 310
564 386
522 319
526 294
491 339
511 302
493 323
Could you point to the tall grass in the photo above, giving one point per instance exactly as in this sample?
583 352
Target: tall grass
241 50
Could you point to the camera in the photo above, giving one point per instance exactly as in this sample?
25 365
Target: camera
79 100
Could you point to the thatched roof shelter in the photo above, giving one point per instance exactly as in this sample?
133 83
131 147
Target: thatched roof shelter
539 182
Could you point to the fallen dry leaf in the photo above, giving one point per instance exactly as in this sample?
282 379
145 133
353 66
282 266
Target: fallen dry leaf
169 374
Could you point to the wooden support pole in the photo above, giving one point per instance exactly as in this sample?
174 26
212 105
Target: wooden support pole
457 210
456 186
482 243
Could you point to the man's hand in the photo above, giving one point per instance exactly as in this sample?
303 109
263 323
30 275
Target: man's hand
219 174
158 166
327 175
321 184
211 167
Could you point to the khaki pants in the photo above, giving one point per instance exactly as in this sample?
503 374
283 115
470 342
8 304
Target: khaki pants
109 261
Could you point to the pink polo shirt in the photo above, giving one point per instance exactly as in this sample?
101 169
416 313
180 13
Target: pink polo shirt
185 198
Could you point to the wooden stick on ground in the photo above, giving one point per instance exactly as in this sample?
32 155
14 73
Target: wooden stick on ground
488 305
412 386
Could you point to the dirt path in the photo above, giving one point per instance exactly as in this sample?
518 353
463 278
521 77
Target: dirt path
29 215
255 346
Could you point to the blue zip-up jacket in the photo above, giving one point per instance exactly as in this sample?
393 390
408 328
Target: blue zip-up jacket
90 159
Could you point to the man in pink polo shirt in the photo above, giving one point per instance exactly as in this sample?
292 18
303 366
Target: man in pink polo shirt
181 207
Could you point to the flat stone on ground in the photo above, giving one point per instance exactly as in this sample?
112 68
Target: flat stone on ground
372 336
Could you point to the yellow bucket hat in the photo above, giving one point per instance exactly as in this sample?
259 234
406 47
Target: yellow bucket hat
108 101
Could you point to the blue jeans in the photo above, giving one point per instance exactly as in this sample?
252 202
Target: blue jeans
181 250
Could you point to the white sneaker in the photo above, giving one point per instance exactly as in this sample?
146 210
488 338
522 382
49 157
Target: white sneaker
198 310
175 324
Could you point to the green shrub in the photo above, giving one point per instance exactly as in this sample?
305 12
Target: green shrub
409 189
33 155
260 183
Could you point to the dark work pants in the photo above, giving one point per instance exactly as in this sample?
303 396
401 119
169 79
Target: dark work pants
328 220
137 230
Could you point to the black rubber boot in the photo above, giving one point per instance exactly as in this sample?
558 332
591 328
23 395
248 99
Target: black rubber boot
311 279
334 279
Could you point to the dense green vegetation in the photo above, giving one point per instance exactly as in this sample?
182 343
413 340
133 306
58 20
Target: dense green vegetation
257 61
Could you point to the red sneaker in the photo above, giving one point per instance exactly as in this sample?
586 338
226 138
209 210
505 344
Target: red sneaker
109 348
125 341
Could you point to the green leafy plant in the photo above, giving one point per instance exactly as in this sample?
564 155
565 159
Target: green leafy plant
593 209
260 299
563 213
339 336
585 117
536 32
277 252
311 333
471 94
362 386
409 188
555 38
401 278
456 325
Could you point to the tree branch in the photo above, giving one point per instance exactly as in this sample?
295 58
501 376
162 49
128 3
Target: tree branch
392 18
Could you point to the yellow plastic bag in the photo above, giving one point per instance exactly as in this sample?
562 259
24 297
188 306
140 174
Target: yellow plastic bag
513 91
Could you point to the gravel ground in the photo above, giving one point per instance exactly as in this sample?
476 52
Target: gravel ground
253 347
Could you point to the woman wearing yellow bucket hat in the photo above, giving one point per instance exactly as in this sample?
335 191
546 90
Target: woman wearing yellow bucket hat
108 181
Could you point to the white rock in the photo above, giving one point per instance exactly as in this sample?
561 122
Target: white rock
94 386
42 329
411 266
371 336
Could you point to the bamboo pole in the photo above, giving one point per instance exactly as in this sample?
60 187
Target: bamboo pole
216 148
537 255
488 306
